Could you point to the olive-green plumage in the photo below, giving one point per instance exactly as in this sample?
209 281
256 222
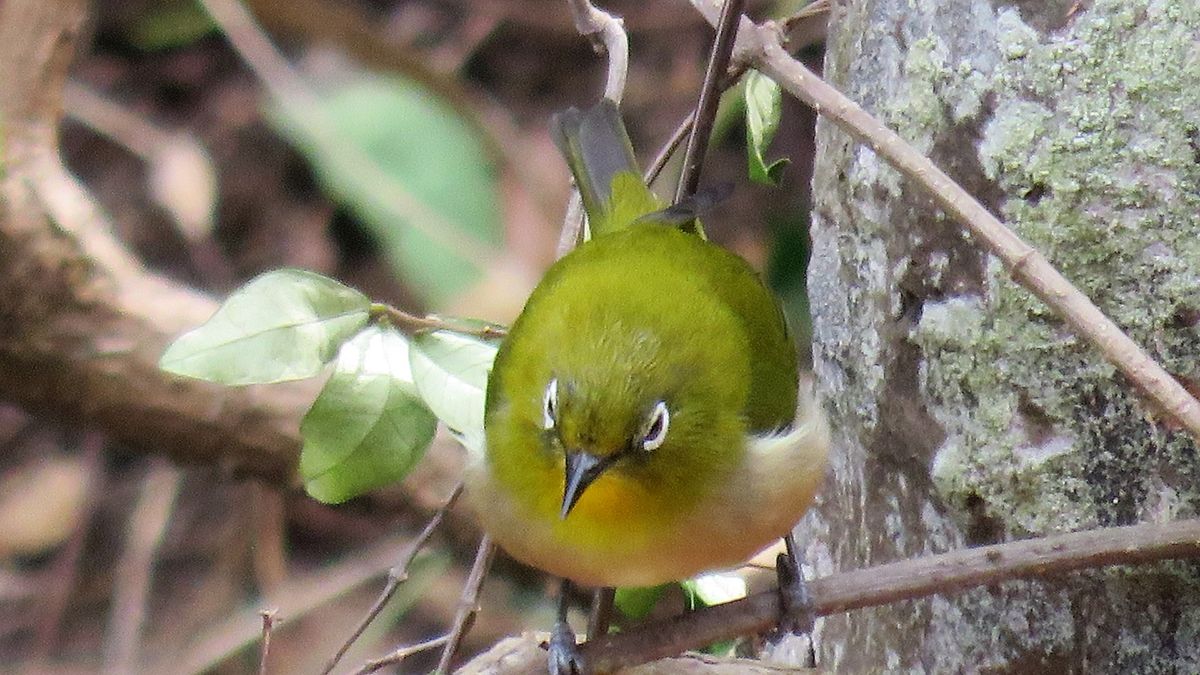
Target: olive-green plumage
642 419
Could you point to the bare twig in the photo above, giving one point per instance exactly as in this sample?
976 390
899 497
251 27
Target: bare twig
468 603
402 653
938 574
812 18
268 624
761 46
302 595
113 121
131 589
609 31
595 24
706 106
397 575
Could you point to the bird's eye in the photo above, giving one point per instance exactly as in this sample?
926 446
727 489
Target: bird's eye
656 432
550 405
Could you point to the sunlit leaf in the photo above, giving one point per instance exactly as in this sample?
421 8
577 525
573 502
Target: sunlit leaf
368 427
451 371
763 108
414 172
715 588
283 325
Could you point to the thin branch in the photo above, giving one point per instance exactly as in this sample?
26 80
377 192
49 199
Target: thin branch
268 624
595 24
468 603
811 20
397 575
402 653
706 106
761 46
413 324
609 30
131 590
946 573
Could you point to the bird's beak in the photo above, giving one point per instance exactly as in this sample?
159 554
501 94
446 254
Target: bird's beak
582 469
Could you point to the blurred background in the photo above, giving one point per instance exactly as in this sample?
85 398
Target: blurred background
400 146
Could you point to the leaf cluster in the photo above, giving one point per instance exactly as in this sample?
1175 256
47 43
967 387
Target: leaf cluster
386 389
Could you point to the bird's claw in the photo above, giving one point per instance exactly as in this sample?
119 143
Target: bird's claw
564 657
798 609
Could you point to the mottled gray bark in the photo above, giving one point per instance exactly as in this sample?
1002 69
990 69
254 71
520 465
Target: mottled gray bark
964 411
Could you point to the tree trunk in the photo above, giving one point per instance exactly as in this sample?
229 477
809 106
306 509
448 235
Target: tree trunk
965 412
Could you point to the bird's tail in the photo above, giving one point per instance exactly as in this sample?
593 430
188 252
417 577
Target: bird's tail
600 156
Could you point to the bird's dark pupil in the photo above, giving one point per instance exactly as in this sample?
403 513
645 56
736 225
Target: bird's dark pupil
655 427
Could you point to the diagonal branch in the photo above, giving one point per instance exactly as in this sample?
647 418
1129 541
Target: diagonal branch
762 47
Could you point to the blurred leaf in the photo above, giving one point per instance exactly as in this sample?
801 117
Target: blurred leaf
787 272
636 603
412 170
715 588
183 182
367 428
451 372
282 325
167 25
764 103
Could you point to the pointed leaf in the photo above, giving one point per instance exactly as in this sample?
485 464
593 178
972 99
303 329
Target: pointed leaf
763 108
412 170
367 428
451 372
283 325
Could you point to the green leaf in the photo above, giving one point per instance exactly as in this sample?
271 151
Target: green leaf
451 372
367 428
412 170
636 603
170 24
282 325
763 108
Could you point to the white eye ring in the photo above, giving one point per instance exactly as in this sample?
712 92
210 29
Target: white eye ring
550 404
656 432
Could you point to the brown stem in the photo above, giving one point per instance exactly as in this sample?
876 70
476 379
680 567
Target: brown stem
397 575
706 106
468 602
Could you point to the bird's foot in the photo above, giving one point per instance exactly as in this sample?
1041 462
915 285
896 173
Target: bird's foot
564 653
799 612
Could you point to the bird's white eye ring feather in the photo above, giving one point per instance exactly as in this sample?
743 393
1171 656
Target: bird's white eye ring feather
656 432
550 404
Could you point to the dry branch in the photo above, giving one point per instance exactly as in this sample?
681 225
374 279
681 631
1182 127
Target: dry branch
946 573
761 46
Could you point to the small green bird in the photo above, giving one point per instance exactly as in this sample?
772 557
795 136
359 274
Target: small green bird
644 419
